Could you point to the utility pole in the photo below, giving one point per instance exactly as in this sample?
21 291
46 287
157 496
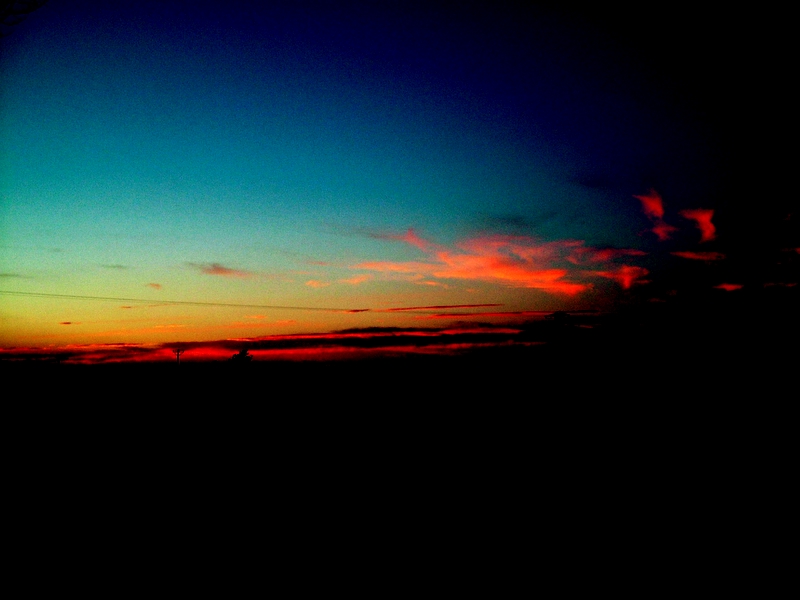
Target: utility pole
178 353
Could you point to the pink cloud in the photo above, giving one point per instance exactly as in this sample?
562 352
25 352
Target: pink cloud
702 216
708 256
316 284
431 283
357 279
516 261
155 286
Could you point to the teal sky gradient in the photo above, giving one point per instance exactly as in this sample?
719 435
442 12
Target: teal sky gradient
248 154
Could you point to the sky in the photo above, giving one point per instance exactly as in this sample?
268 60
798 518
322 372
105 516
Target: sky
211 175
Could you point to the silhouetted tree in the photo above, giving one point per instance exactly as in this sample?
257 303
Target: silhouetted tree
560 318
242 358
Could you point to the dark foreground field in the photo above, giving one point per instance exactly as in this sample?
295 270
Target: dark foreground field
581 447
564 400
672 361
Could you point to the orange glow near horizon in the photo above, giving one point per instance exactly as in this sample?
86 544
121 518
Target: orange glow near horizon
303 347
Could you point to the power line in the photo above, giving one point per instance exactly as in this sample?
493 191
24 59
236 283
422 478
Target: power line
415 309
178 302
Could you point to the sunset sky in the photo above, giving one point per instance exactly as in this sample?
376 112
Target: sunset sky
203 173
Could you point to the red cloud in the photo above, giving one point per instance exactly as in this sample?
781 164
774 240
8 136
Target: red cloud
702 216
700 255
626 275
663 230
653 207
729 287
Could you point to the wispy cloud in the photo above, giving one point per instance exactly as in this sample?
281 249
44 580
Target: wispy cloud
219 270
702 217
409 237
357 279
313 283
729 287
488 315
586 255
155 286
707 256
439 307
